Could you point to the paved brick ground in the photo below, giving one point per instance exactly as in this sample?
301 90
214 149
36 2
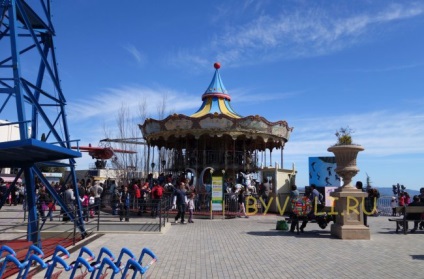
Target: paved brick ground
252 248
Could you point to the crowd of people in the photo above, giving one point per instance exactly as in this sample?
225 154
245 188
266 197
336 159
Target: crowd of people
16 193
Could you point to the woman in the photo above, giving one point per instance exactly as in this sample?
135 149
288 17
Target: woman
242 209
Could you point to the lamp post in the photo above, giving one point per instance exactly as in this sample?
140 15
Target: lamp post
163 165
153 167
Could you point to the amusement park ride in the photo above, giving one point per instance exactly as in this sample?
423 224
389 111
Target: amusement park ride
101 153
33 102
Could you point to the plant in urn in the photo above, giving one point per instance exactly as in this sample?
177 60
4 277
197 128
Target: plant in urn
346 152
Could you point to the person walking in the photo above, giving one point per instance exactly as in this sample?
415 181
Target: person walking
179 202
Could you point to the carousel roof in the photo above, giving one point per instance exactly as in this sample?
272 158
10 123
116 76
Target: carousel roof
215 118
216 99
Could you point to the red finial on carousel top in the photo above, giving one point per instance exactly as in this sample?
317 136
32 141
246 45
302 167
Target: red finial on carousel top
217 65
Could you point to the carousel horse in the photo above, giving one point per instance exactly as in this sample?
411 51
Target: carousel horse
248 180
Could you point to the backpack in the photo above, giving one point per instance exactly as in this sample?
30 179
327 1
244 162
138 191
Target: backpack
158 192
301 206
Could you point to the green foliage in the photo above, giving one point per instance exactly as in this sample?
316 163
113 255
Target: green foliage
344 136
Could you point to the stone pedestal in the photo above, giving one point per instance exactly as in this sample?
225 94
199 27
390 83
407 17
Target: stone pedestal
349 221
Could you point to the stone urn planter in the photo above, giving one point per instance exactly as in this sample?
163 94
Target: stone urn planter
349 222
346 162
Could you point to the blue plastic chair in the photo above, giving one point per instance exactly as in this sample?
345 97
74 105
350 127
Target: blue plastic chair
111 264
103 251
118 263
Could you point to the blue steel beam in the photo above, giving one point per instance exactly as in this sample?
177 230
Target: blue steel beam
21 18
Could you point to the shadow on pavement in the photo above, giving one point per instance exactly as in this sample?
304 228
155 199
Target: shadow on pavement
306 234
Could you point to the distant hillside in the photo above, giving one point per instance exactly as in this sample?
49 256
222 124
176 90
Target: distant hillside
386 191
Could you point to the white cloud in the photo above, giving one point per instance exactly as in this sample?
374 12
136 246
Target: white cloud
105 105
135 53
382 133
307 31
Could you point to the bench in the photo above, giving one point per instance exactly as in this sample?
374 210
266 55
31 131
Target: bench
405 210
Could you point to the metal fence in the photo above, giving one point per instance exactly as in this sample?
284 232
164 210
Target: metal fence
384 207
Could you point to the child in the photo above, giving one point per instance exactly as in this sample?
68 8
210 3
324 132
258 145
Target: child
191 207
393 205
85 203
91 204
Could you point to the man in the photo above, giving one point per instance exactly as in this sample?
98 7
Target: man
315 198
366 204
266 190
180 201
97 190
69 199
414 216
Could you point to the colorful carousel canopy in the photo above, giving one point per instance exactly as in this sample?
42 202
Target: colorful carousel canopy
215 119
216 99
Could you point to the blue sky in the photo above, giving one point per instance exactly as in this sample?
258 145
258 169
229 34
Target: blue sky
319 65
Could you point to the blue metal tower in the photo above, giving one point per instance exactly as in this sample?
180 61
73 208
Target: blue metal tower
33 101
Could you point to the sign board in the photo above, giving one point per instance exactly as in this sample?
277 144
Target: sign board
217 193
329 200
321 172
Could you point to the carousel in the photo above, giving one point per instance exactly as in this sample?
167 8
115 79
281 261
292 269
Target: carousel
217 139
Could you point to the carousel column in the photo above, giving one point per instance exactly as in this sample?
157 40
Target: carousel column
282 166
204 154
244 157
148 160
185 156
234 153
225 155
197 157
270 157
